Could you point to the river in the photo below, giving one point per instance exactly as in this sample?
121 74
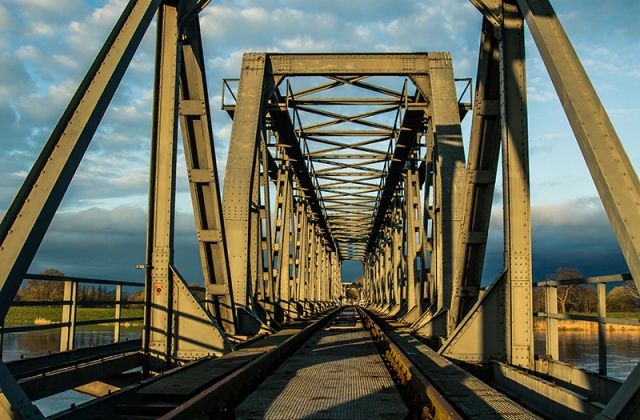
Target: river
38 343
581 349
577 347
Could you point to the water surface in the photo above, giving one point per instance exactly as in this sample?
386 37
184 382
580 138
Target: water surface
580 348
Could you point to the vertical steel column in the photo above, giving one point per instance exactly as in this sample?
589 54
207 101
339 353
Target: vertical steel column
377 276
334 279
517 217
308 262
428 224
415 235
159 286
301 251
312 259
484 148
265 253
394 241
254 247
203 178
387 267
551 304
68 334
449 181
321 271
292 281
240 174
368 293
280 225
282 235
326 272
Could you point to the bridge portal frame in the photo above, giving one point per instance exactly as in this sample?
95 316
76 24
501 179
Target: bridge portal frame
260 108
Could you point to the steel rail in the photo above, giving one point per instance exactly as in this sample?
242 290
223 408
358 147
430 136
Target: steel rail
434 404
221 397
233 388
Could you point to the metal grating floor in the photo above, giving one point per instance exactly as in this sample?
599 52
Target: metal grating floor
338 374
473 397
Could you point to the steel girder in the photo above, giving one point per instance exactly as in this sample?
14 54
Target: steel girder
456 197
448 172
508 301
484 147
612 172
177 326
203 177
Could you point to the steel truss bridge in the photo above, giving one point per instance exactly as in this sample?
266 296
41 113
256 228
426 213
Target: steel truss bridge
337 157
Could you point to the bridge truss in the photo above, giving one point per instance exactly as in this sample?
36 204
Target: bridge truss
311 183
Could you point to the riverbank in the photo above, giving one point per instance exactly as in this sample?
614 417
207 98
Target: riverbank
574 325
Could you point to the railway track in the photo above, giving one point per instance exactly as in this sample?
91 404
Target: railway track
337 372
339 365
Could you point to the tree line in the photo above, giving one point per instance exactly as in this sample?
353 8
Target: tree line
45 290
571 298
584 297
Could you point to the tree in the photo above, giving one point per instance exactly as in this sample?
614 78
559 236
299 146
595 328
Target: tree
136 296
353 293
619 301
568 296
539 304
631 289
42 290
587 298
197 290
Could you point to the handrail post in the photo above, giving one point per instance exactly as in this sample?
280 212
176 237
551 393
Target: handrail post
551 297
118 314
602 329
68 333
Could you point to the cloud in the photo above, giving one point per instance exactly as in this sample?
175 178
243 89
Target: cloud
101 243
575 233
46 47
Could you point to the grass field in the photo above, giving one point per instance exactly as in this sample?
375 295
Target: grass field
28 315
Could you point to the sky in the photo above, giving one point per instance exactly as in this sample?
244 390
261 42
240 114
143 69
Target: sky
46 48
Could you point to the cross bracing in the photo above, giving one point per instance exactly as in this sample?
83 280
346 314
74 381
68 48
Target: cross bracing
350 149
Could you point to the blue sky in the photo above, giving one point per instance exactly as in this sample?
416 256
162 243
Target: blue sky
46 47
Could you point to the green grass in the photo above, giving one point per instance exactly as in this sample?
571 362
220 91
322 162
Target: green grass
27 315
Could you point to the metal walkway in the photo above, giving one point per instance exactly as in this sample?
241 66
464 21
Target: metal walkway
337 374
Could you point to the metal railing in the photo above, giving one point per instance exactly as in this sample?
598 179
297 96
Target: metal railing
69 308
552 315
